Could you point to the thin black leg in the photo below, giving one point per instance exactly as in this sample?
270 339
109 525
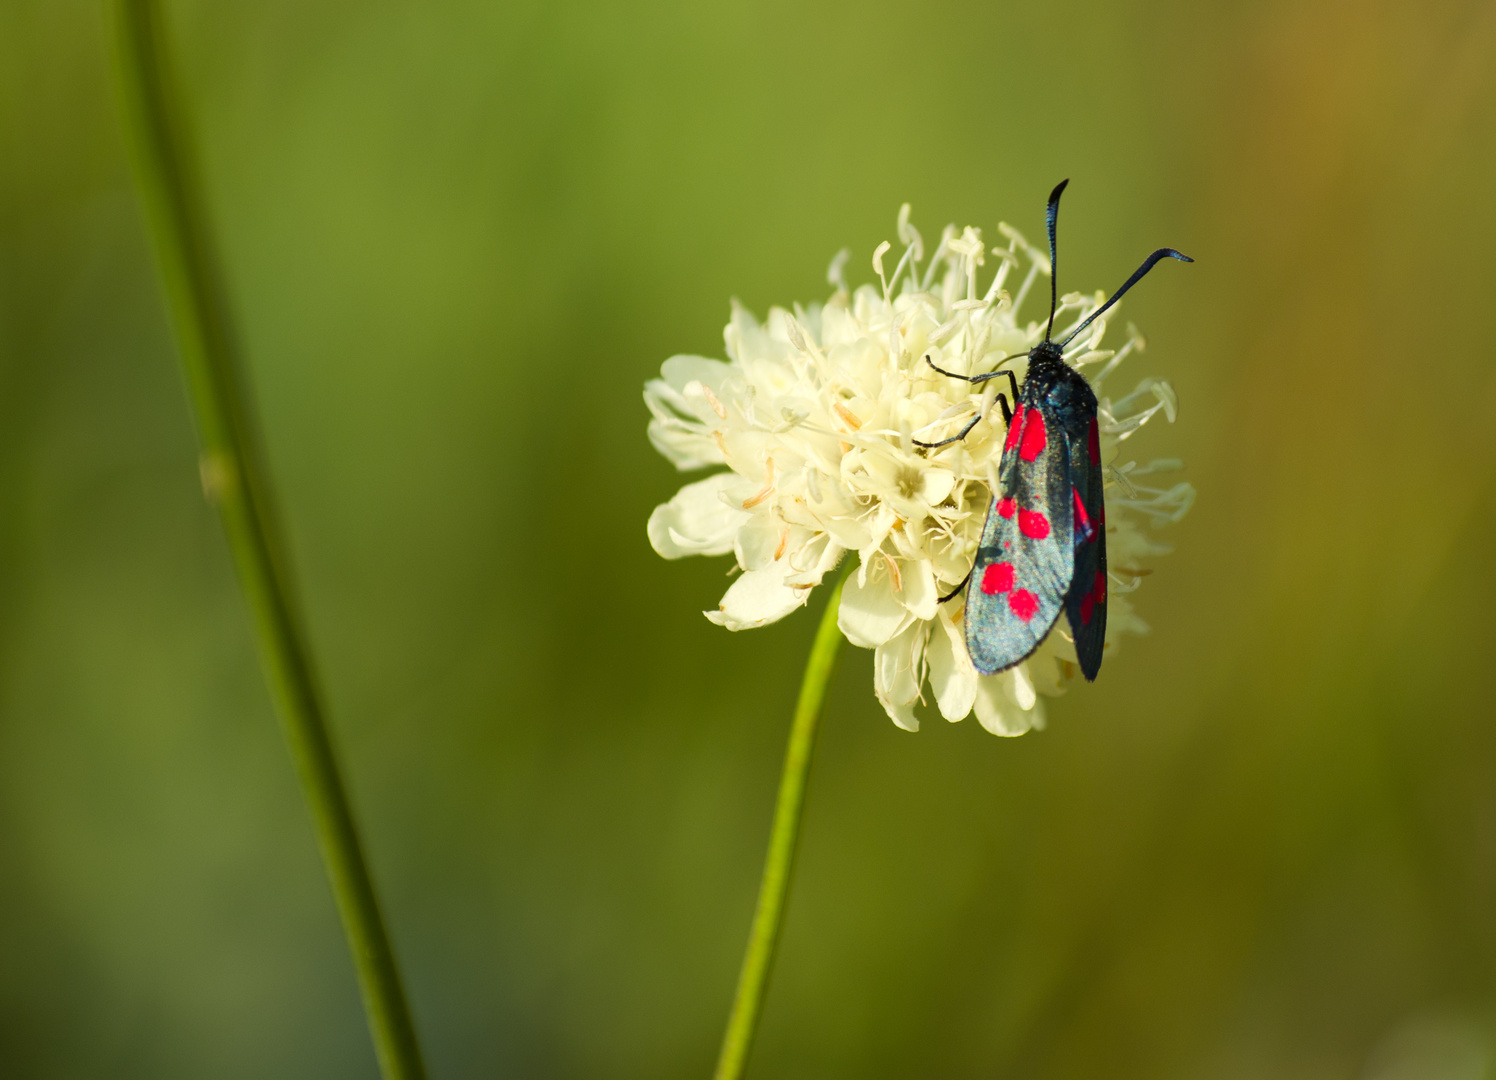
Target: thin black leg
1007 419
1012 379
957 590
954 438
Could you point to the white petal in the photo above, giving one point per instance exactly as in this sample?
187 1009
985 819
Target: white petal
813 561
902 715
684 448
1022 688
879 527
742 335
995 709
919 593
686 443
757 598
897 671
849 533
757 542
885 469
696 521
952 677
663 400
838 327
680 371
700 399
870 614
896 665
935 485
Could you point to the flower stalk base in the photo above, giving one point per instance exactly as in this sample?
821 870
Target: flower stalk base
768 916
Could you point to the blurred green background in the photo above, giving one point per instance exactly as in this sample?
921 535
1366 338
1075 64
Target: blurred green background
459 236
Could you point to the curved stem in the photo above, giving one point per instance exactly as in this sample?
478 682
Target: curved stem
753 980
234 479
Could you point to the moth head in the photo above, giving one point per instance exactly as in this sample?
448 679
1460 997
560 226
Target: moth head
1046 351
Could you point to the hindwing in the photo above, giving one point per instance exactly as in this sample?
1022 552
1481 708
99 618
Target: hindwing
1026 560
1085 601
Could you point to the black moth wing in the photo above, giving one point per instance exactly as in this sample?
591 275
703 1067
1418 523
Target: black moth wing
1025 561
1085 603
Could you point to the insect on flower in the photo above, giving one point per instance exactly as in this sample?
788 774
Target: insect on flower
1043 547
813 426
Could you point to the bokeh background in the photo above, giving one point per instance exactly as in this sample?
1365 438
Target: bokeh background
459 235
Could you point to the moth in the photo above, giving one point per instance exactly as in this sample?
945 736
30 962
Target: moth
1043 547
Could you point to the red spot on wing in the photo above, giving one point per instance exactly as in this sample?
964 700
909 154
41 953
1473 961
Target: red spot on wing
1094 443
1082 519
1033 436
1006 507
997 578
1087 605
1099 590
1024 604
1015 426
1033 524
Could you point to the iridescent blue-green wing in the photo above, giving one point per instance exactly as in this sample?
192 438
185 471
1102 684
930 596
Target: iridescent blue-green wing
1025 562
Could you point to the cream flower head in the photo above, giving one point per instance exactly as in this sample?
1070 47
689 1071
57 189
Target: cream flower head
815 414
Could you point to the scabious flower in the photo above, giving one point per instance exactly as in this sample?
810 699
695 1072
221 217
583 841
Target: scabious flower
814 415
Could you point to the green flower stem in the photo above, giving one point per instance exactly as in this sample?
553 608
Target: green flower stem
234 479
753 980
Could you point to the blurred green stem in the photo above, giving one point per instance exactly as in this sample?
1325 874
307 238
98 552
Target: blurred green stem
234 478
753 980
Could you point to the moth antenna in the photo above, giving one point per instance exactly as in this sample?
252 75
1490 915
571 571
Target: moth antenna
1148 264
1051 218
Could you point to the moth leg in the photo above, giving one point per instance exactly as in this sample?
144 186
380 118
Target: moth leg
1003 403
957 590
955 438
1012 379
